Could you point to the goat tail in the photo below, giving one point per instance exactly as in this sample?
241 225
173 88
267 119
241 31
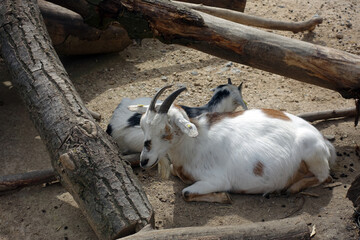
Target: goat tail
332 151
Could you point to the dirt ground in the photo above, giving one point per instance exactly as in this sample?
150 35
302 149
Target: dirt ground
50 212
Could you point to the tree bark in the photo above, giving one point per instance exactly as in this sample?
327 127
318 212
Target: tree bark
289 228
71 36
174 23
85 158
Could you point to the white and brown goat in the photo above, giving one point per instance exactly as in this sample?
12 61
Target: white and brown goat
124 125
253 151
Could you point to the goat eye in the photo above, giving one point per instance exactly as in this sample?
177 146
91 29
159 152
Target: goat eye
147 145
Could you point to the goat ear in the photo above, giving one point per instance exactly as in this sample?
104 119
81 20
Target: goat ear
187 127
138 108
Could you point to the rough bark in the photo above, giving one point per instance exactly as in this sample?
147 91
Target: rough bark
84 157
256 21
290 229
173 23
71 36
237 5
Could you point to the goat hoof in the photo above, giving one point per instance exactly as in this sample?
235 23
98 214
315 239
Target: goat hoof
186 195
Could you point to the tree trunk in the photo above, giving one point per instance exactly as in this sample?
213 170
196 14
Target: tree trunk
82 154
71 36
289 229
173 23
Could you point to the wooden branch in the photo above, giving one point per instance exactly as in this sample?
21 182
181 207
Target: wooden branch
71 36
289 228
176 24
237 5
84 157
11 182
255 21
323 115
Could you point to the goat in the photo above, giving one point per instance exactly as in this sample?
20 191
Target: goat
256 151
124 125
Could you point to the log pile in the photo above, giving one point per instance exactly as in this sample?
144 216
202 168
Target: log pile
84 158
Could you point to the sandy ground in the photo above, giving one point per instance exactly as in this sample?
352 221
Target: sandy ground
50 212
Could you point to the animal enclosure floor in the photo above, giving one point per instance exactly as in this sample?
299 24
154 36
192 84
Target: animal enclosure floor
102 81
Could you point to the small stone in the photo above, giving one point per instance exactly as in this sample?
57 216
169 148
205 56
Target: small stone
195 73
339 36
229 64
164 78
38 138
331 138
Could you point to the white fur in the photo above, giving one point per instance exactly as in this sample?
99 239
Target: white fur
130 139
222 157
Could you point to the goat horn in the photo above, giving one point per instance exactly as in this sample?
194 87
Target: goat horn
157 95
169 100
240 86
229 81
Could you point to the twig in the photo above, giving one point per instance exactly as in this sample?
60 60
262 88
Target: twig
255 21
95 115
11 182
314 116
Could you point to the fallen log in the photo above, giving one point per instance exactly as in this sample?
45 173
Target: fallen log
242 18
324 115
237 5
11 182
71 36
289 228
176 24
84 157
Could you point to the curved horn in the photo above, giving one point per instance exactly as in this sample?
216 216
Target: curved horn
229 81
169 100
157 95
240 86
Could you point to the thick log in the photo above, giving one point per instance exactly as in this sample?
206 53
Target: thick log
174 23
11 182
71 36
255 21
237 5
289 228
84 157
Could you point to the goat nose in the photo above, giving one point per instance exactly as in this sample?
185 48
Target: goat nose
143 162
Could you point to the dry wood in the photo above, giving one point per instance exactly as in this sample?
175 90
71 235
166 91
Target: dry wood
290 228
237 5
10 182
84 157
174 23
71 36
255 21
323 115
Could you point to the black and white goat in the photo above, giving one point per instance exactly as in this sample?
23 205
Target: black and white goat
253 151
124 125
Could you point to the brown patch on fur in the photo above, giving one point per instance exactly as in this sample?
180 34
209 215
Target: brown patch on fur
238 191
218 197
168 135
275 114
217 117
302 179
184 176
259 169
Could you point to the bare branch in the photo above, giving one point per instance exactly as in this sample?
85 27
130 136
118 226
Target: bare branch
255 21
